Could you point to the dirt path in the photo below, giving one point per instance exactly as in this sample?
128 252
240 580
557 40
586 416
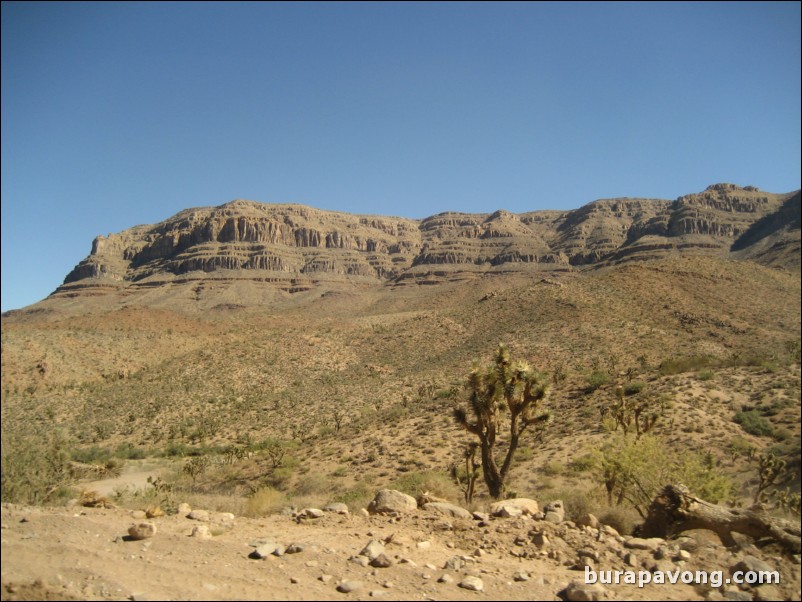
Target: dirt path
134 476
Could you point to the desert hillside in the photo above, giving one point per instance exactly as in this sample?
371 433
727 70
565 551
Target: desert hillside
261 359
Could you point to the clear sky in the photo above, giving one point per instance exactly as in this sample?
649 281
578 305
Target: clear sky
119 114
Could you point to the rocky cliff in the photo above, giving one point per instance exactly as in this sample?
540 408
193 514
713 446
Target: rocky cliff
296 248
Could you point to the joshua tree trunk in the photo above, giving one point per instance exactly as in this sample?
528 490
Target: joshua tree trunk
675 510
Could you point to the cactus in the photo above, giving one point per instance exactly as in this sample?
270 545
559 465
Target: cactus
514 387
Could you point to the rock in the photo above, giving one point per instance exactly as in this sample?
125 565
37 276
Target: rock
554 512
325 578
184 509
521 576
381 562
750 563
768 593
454 563
373 549
201 515
630 559
201 532
390 501
481 516
539 539
336 508
638 543
154 512
579 591
143 530
312 513
346 587
514 507
295 548
445 578
447 509
737 595
138 514
472 583
423 545
360 560
265 550
683 555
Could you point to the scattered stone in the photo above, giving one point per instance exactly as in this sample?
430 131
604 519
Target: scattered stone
630 559
445 578
554 512
346 587
295 548
514 507
138 514
521 576
312 513
294 580
472 583
608 530
360 560
424 545
768 593
390 501
579 591
750 563
201 532
481 516
142 531
154 512
637 543
539 539
200 515
184 508
325 578
588 520
683 555
336 508
311 563
737 595
265 550
373 549
454 563
447 509
381 562
377 593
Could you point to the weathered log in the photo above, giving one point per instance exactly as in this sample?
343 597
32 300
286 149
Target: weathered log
676 509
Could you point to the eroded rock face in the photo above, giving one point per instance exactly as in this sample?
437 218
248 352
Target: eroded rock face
294 248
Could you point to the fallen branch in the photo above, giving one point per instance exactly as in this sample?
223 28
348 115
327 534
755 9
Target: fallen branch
675 510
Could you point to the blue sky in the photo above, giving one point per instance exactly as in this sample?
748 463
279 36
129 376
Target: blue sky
119 114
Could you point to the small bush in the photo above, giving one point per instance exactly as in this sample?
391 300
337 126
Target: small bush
438 484
264 501
622 519
705 375
754 424
678 365
596 379
634 387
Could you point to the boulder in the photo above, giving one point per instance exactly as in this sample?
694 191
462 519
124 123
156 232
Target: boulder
514 507
447 509
390 501
143 530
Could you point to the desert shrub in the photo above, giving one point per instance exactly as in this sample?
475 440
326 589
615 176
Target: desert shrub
91 455
553 468
635 470
620 518
264 501
577 502
582 464
34 471
705 375
313 484
634 387
356 497
438 484
753 423
596 379
678 365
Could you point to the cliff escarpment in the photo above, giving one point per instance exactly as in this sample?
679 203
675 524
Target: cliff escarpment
295 248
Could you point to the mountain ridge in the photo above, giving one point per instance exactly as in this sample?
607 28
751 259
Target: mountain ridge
292 248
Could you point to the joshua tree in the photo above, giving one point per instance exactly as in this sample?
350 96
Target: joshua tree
498 387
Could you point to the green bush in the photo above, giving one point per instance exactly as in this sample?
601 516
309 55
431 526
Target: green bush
438 484
596 379
753 423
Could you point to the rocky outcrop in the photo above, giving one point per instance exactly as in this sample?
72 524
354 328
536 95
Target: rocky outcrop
297 248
